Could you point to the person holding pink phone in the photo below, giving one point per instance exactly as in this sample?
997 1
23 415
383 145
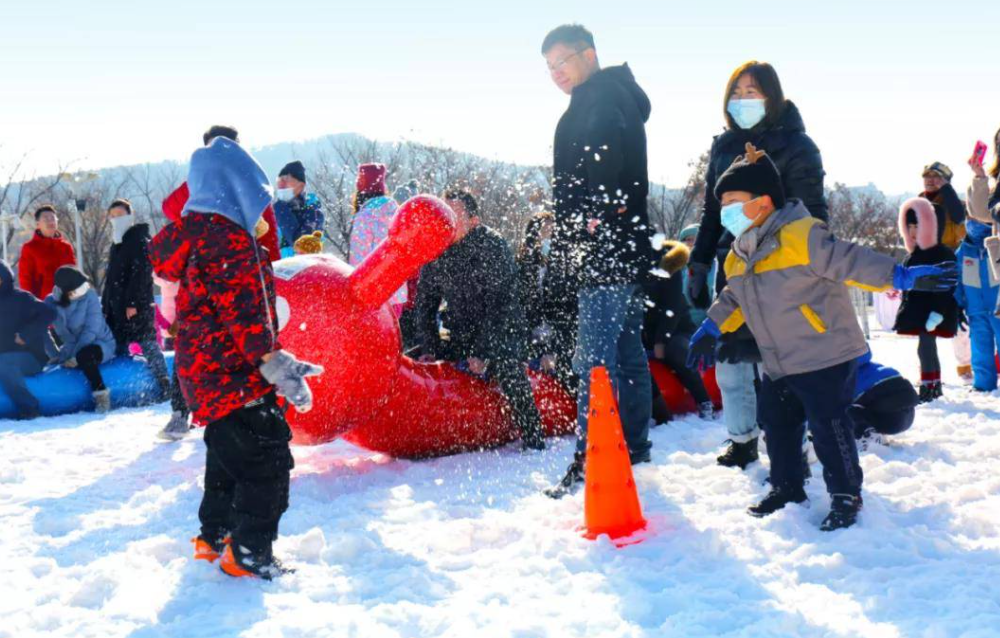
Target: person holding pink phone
982 203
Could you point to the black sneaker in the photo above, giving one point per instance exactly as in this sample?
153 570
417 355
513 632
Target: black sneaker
571 481
639 457
844 510
776 499
739 454
926 393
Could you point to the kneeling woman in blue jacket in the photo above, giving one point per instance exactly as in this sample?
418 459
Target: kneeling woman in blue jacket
85 336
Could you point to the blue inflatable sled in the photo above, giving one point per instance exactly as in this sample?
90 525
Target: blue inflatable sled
64 391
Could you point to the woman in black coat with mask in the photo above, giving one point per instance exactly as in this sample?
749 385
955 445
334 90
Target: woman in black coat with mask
755 111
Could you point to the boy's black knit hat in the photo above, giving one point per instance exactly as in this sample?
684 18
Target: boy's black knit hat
294 169
754 173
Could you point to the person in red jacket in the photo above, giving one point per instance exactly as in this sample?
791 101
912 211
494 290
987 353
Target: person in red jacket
230 364
44 254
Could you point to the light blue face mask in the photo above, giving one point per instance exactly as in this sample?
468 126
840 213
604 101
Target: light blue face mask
734 220
747 113
546 247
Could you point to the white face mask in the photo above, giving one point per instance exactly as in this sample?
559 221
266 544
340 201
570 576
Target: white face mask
119 226
79 292
284 194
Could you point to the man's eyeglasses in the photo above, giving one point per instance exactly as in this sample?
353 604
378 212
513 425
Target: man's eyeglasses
558 66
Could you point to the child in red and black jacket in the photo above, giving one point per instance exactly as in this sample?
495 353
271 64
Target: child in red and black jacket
230 364
927 315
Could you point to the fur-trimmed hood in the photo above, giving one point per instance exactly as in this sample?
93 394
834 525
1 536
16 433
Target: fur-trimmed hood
674 256
927 227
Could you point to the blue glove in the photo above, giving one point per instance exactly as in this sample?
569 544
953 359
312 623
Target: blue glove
701 352
939 278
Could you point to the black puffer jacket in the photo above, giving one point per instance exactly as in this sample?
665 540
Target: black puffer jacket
129 284
477 277
599 168
797 159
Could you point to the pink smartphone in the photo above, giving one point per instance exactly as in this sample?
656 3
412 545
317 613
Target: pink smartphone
979 155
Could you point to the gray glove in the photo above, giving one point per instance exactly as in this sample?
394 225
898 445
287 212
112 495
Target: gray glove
288 376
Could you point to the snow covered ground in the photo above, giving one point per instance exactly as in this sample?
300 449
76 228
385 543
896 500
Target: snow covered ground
96 517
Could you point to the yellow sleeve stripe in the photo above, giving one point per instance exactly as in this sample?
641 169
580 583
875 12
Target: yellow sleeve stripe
733 323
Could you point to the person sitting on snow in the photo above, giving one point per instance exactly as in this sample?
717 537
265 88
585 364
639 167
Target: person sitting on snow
231 366
786 278
24 325
477 277
85 338
884 402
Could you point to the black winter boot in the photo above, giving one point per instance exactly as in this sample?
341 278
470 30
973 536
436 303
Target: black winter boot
706 411
844 510
573 478
739 454
926 393
777 499
937 390
661 411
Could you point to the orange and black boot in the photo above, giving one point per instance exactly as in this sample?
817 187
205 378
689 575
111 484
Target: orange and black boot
208 550
241 563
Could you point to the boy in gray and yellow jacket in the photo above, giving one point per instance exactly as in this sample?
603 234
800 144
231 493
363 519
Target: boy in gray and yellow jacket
787 281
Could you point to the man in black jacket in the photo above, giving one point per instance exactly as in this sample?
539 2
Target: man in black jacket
600 184
477 279
24 326
127 300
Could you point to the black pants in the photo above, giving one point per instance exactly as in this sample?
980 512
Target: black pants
512 378
890 423
247 470
89 359
822 398
675 358
928 353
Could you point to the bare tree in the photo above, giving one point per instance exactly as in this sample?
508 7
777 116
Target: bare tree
671 210
864 216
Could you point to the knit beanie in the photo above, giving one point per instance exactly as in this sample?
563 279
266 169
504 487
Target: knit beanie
69 278
309 244
754 173
371 179
294 169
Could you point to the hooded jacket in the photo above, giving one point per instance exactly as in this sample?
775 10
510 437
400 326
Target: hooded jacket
23 315
911 319
80 324
174 203
129 284
226 313
599 169
41 257
791 293
977 288
667 313
795 156
882 389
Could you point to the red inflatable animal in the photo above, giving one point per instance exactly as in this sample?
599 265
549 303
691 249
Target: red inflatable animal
371 394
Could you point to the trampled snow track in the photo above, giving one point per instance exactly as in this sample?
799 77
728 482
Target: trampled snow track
96 518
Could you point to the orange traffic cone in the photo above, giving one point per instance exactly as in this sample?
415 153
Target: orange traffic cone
611 503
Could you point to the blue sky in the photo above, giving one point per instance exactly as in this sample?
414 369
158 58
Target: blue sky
884 87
